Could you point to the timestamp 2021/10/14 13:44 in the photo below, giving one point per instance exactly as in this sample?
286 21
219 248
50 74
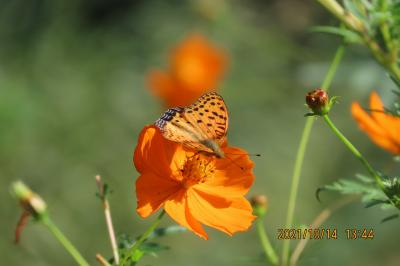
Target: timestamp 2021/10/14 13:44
325 233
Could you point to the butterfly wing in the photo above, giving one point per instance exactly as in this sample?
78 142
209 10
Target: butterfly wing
175 127
209 115
206 119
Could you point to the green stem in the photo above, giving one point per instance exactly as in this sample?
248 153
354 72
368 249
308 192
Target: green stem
295 185
354 150
64 241
386 34
302 150
268 249
388 59
143 237
346 17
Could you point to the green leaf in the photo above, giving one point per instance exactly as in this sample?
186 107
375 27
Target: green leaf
389 218
368 6
152 247
371 194
376 202
170 230
392 190
136 256
125 242
365 179
146 248
348 35
363 186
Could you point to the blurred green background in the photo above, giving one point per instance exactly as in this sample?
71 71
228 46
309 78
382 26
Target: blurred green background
73 99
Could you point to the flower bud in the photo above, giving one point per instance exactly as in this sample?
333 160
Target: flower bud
260 204
30 201
318 101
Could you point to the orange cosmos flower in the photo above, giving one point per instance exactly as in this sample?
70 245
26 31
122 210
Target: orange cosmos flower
194 189
382 128
196 67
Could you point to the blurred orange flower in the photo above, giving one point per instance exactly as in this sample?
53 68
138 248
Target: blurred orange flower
382 128
196 66
194 189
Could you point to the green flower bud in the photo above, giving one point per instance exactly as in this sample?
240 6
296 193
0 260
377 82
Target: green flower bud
30 201
260 204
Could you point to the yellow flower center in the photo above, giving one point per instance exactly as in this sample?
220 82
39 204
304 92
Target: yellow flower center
197 170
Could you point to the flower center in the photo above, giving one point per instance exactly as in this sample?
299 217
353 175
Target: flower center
197 170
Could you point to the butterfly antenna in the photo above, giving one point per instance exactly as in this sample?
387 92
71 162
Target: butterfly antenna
249 154
235 163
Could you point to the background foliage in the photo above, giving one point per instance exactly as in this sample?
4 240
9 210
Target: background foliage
74 98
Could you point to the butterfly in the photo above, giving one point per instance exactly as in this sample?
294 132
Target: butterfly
201 126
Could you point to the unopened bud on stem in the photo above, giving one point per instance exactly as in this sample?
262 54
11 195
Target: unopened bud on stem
260 204
30 201
319 103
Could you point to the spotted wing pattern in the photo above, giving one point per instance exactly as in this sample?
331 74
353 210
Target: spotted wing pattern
206 119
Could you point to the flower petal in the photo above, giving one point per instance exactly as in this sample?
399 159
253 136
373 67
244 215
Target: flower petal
177 208
160 83
227 215
233 175
152 191
156 154
388 122
374 130
365 121
197 64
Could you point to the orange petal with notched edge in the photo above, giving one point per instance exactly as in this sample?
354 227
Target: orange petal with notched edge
178 210
365 121
387 121
378 126
190 193
233 175
152 191
229 216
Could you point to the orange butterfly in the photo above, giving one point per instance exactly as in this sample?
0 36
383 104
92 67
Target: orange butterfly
201 126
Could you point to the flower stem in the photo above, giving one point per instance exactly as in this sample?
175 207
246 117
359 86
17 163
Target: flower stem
318 221
64 241
346 17
354 150
388 57
107 215
301 151
143 237
268 249
102 260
